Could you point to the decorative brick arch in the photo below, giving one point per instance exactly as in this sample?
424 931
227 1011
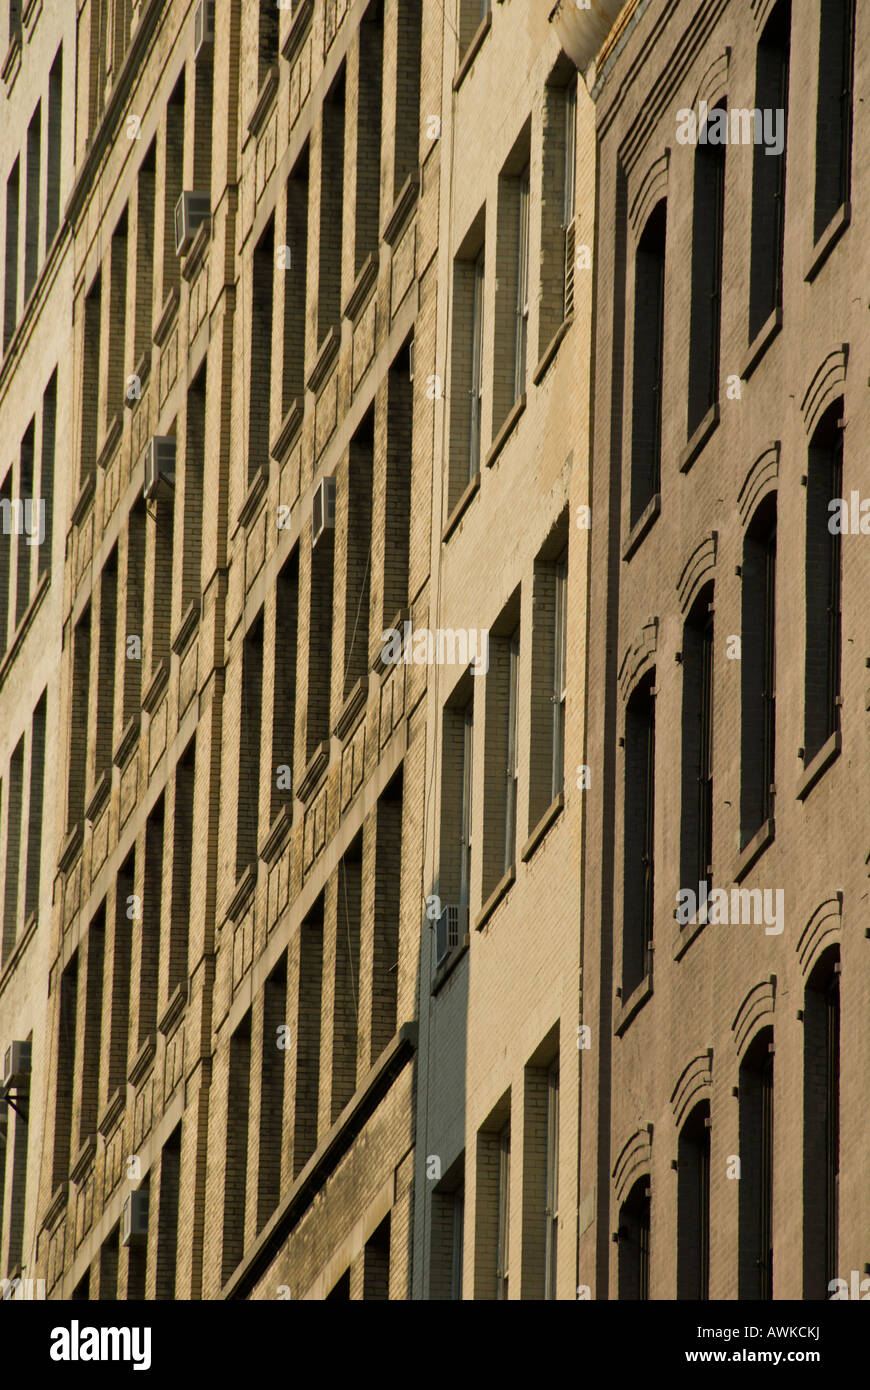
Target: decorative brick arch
698 570
652 187
695 1083
762 477
713 85
821 931
638 655
756 1006
825 386
633 1161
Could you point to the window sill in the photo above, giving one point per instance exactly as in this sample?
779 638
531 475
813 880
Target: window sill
761 342
686 934
300 23
756 847
24 626
828 240
506 430
461 507
317 765
638 997
700 437
827 754
495 897
472 50
551 814
551 349
641 526
449 964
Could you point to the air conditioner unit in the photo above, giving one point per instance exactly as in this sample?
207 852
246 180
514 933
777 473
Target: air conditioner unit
159 463
450 928
203 26
570 256
134 1219
191 211
16 1065
323 510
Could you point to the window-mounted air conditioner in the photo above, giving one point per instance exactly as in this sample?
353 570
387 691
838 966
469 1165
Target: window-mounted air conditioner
16 1066
203 26
323 510
134 1219
450 928
159 463
191 210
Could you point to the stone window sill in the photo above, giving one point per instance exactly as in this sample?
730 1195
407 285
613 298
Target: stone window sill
472 50
754 849
812 773
700 437
459 510
761 342
506 430
495 897
642 525
552 813
634 1003
828 240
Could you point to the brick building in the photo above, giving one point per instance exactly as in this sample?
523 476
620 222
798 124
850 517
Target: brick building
448 479
727 683
37 386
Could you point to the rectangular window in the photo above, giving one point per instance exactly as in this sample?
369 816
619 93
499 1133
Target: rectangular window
504 1210
66 1083
318 725
368 138
25 505
823 583
388 883
121 967
522 309
457 1217
134 590
511 766
182 867
308 1035
696 848
194 482
472 13
10 282
293 281
758 672
821 1127
249 747
116 364
80 708
693 1206
90 406
768 171
46 472
53 160
272 1067
260 374
152 912
167 1216
560 684
755 1197
834 114
6 533
648 363
144 307
406 125
357 585
552 1207
707 234
634 1242
32 202
88 1081
107 628
465 813
397 513
331 210
345 1022
639 833
172 186
284 685
34 811
236 1170
13 851
476 391
568 194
